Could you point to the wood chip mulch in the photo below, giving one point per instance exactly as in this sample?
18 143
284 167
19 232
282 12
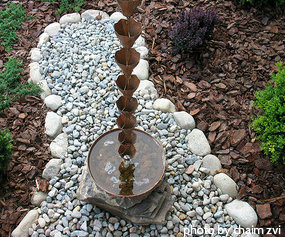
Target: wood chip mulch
216 85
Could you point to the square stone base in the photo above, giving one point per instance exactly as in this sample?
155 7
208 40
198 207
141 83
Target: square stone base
143 210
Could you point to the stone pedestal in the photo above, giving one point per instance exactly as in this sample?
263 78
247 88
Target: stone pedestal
146 209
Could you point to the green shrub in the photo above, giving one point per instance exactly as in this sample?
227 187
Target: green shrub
10 21
10 87
270 125
67 5
5 151
260 3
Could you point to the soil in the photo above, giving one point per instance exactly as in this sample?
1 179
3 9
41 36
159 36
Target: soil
216 84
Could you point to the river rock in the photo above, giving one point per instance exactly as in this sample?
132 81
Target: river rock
164 105
53 102
52 29
35 55
184 120
51 169
70 18
143 52
45 89
58 146
94 14
242 213
139 42
212 163
38 197
53 124
198 143
141 70
116 16
44 37
226 184
22 230
35 75
146 87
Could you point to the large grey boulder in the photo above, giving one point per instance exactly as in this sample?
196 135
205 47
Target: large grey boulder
184 120
242 213
22 230
198 143
53 124
52 169
58 146
212 163
226 184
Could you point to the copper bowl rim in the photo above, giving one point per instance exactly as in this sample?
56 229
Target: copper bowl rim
118 195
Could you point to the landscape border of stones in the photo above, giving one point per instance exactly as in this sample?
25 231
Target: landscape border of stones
204 164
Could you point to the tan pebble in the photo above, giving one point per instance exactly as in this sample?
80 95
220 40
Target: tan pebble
79 112
190 169
182 217
172 172
179 234
143 230
171 189
101 77
104 65
214 209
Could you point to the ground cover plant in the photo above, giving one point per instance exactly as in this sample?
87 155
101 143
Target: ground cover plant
67 5
5 151
270 125
192 28
10 21
10 87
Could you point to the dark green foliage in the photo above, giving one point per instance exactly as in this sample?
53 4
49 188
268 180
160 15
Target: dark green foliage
67 5
192 28
10 86
5 151
270 125
260 3
10 21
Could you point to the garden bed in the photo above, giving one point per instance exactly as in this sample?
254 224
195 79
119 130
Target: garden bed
216 86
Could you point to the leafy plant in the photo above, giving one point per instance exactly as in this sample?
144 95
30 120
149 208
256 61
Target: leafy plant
10 21
5 151
67 5
193 27
260 3
10 86
270 125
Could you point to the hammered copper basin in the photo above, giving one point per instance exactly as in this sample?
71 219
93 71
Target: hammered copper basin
104 163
